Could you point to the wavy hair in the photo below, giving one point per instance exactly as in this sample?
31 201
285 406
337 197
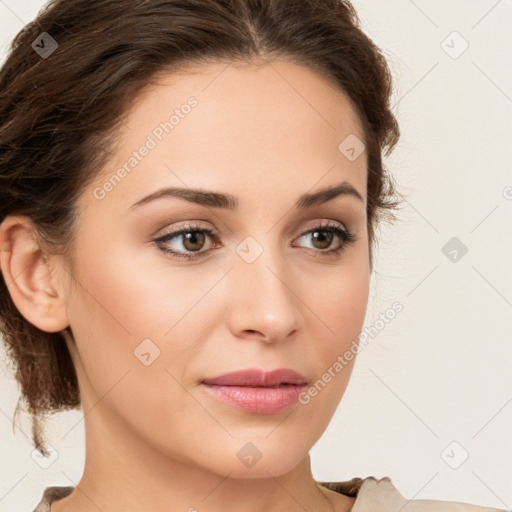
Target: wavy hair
60 111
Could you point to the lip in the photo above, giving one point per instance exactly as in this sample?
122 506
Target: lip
258 378
257 391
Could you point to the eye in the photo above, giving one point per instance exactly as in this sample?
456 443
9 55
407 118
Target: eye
193 238
188 241
323 237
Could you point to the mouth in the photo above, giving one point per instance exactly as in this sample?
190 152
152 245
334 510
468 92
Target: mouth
258 378
257 391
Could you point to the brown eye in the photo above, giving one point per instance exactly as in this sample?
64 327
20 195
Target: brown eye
193 241
184 242
323 239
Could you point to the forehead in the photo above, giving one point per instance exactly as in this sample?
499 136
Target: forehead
264 86
256 125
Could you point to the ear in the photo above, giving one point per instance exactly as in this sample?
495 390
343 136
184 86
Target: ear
28 275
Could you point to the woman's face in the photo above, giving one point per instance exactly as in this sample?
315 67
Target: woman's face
259 292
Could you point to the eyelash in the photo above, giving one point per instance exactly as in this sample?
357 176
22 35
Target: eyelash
346 236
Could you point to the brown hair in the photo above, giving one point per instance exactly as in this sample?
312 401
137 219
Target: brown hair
59 114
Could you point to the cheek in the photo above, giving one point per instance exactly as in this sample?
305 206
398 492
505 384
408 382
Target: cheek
129 296
126 363
339 304
119 313
126 293
339 299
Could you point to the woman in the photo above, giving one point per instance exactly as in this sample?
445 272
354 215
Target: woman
190 191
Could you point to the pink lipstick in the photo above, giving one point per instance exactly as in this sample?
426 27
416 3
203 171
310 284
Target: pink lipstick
257 391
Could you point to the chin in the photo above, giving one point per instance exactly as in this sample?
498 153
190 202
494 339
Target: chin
257 457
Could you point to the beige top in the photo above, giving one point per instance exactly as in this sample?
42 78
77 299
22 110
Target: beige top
372 495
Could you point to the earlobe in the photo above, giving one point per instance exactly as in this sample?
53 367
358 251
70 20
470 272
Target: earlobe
28 275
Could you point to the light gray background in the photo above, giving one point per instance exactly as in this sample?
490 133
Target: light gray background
440 371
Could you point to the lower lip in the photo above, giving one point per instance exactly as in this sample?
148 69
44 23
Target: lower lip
258 400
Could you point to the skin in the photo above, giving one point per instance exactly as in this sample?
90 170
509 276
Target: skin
266 133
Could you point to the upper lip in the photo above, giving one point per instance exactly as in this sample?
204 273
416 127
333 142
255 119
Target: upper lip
258 378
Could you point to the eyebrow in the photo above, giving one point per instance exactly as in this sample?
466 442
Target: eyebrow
226 201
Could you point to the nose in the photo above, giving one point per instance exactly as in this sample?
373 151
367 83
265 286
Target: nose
264 303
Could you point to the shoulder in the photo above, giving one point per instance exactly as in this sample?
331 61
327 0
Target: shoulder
380 494
50 495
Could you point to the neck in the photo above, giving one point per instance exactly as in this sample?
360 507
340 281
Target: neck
123 472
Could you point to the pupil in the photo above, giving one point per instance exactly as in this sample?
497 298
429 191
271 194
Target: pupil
325 240
193 238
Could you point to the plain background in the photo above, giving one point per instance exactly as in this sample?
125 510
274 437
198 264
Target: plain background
434 385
